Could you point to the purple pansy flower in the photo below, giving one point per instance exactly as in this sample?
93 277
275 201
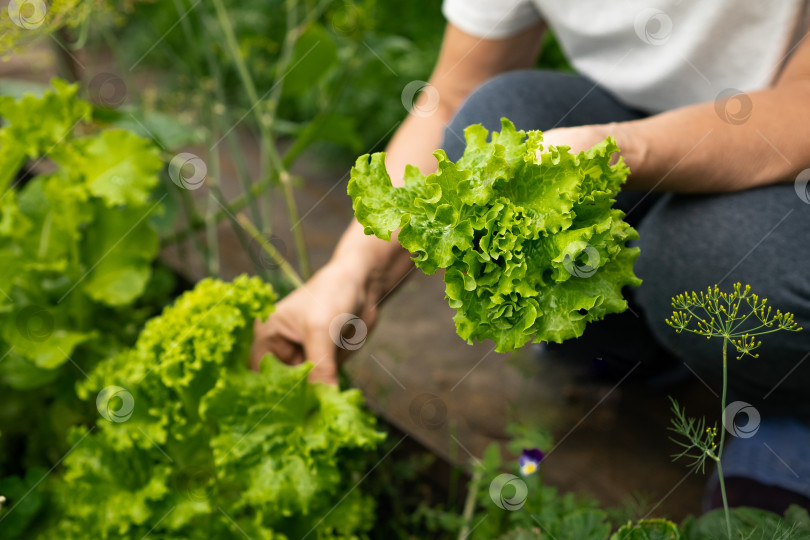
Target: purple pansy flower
529 461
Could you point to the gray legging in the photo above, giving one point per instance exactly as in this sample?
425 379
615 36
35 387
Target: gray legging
688 242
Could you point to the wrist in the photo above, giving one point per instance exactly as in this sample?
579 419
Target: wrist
632 148
370 264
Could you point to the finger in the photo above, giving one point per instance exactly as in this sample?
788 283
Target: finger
257 348
320 350
268 339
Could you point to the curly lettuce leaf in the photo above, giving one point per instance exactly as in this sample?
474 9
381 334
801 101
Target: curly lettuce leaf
209 448
531 245
34 125
76 242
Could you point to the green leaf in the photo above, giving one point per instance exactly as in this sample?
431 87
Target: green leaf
799 516
25 500
163 129
118 166
583 525
333 128
119 251
35 125
648 529
521 534
77 249
78 234
315 52
746 522
16 371
531 245
205 444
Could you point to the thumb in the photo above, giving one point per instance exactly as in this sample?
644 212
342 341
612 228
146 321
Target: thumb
321 351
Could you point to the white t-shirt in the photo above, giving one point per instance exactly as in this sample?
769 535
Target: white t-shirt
655 55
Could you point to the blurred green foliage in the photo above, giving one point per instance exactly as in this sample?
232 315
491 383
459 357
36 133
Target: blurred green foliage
351 60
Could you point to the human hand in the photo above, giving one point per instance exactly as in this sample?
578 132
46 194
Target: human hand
312 323
579 138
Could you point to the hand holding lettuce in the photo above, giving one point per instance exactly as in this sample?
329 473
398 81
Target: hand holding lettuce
527 234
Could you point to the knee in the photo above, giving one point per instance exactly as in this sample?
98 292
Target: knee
485 105
515 95
534 99
689 243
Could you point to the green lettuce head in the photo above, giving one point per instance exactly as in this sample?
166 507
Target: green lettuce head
530 242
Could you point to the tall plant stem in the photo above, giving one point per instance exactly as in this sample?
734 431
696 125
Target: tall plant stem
284 266
233 207
469 504
723 438
190 211
211 224
268 139
231 137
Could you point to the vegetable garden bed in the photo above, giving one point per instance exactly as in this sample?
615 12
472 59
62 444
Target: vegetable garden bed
128 410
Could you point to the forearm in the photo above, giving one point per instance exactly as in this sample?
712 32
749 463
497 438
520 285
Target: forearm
379 264
464 62
720 147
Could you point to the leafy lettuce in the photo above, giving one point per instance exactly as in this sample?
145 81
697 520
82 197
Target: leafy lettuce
198 446
532 247
76 241
77 275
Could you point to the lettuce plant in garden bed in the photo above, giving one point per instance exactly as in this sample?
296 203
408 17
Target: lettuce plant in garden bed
530 242
78 275
76 240
191 444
